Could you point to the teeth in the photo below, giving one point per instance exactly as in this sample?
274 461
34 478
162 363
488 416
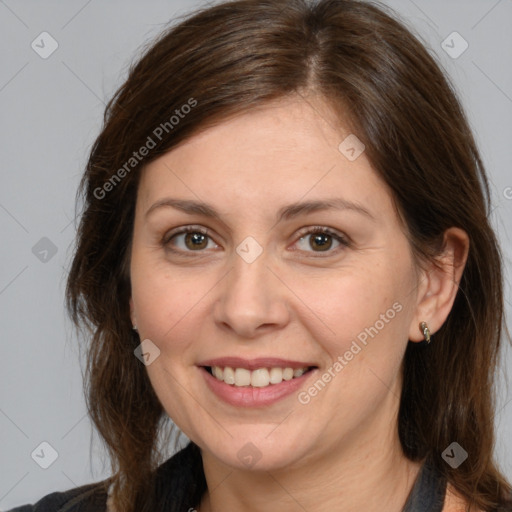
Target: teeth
288 374
228 376
242 377
276 375
260 378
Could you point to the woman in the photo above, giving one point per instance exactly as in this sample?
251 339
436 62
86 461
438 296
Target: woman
285 248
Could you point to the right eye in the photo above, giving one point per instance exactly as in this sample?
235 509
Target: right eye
189 239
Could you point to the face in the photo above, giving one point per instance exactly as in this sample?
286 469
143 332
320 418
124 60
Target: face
272 274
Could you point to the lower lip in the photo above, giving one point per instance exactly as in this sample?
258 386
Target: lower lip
248 396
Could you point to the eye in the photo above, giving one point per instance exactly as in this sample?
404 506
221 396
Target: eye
189 239
321 239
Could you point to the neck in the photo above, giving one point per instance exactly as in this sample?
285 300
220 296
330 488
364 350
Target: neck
366 472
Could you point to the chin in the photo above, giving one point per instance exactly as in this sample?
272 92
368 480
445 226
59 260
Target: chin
259 453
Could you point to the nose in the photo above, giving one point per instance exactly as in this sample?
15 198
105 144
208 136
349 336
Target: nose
251 300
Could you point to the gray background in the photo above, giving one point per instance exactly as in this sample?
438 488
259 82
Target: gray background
51 111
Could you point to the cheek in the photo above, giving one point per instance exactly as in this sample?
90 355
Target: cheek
162 299
357 304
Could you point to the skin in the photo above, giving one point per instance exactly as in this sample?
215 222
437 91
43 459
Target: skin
341 450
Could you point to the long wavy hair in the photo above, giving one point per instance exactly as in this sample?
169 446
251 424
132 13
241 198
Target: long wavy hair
379 78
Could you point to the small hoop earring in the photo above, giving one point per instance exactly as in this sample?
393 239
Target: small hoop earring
135 328
426 331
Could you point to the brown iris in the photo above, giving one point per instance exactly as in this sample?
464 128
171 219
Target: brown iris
320 241
196 241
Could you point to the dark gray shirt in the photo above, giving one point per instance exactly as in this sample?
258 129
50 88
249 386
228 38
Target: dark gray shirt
427 495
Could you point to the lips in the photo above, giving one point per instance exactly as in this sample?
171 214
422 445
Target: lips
254 382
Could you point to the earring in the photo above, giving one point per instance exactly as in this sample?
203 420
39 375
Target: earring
426 331
135 328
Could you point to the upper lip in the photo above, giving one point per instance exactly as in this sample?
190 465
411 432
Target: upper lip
254 364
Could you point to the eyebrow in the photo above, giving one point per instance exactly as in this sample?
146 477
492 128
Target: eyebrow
285 213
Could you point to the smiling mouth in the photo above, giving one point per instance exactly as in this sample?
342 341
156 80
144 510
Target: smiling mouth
258 378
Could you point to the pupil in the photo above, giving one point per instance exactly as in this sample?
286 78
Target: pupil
195 240
322 241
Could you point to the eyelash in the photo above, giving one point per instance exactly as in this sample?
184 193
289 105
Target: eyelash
312 230
343 240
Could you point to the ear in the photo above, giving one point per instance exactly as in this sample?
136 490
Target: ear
439 283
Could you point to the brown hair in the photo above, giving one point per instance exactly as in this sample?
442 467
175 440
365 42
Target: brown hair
228 59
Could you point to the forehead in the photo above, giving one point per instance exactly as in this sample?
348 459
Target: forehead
289 149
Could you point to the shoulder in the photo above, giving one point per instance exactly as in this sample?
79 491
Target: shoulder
87 498
180 479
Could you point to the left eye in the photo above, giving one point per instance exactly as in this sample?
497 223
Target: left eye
320 240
